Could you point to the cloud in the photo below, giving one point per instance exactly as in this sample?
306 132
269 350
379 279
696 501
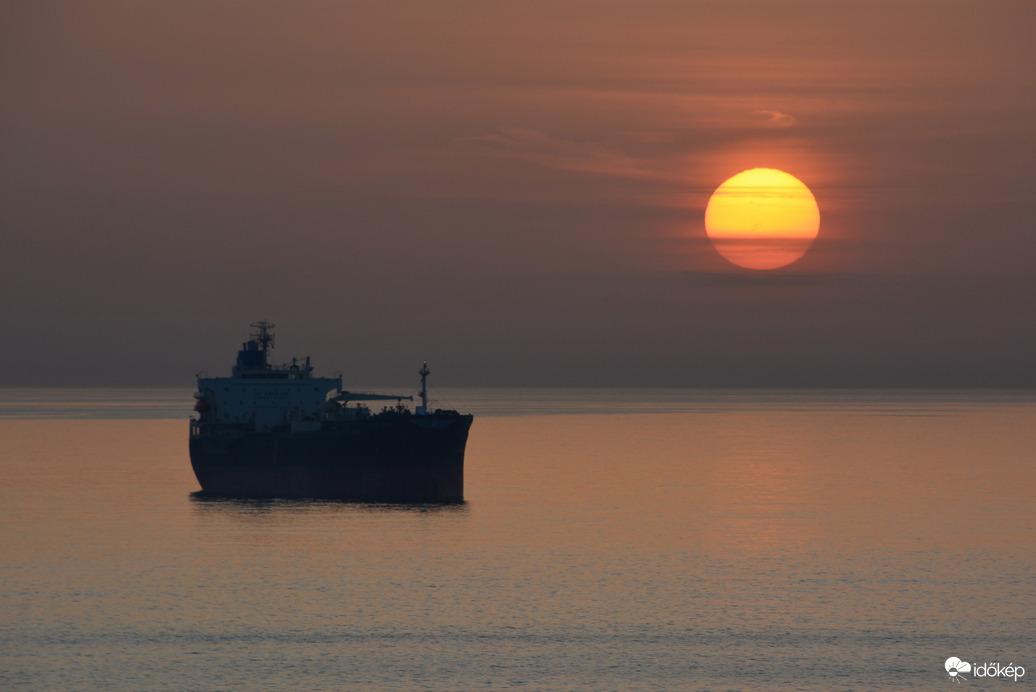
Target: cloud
537 147
776 120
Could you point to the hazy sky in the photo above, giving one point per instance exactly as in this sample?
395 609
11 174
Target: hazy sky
515 191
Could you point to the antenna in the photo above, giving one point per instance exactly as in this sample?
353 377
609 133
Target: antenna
424 387
264 334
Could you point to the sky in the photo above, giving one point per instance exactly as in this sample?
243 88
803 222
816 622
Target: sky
515 191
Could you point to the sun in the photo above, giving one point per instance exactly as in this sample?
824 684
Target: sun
762 219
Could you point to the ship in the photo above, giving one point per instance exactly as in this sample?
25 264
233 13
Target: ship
276 431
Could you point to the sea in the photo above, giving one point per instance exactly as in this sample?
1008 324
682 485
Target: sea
629 539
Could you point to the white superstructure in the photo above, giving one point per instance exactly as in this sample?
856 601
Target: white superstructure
262 396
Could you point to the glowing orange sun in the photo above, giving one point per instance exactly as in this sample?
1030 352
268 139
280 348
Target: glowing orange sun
762 219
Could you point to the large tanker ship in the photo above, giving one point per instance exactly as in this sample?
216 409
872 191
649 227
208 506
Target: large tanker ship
276 431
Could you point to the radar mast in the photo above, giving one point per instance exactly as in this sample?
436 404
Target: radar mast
263 334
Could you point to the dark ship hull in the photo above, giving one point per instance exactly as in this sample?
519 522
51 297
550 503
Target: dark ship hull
391 457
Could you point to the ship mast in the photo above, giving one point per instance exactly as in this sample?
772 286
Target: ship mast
424 388
253 358
263 334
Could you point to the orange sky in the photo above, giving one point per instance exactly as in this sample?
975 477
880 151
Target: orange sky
516 191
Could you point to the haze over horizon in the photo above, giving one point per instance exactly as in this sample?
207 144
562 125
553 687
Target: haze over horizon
515 193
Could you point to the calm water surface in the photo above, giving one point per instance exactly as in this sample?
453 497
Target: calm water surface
611 540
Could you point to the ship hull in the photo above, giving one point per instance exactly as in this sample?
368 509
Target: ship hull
382 459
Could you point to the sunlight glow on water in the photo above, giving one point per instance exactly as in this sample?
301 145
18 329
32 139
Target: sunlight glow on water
846 542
